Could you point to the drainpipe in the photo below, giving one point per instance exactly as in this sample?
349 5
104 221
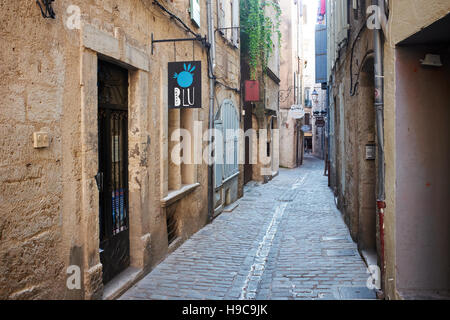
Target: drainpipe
379 107
211 63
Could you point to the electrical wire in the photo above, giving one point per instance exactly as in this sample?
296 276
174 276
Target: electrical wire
207 45
173 16
47 5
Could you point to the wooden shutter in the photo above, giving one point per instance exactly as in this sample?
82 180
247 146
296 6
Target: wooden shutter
321 53
221 15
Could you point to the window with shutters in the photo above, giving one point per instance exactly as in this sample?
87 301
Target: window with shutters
235 22
221 16
342 20
321 53
194 9
228 20
338 25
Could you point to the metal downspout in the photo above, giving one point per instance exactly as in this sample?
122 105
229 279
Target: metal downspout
379 107
211 63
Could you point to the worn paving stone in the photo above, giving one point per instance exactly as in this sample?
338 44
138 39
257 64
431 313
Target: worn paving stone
275 245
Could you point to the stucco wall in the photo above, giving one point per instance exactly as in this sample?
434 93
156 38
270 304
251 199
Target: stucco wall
406 18
423 140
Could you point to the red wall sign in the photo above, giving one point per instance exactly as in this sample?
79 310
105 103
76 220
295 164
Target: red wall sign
251 90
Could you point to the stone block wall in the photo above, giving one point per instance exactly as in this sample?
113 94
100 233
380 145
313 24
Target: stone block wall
49 199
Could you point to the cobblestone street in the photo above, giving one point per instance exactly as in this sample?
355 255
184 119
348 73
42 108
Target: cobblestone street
285 240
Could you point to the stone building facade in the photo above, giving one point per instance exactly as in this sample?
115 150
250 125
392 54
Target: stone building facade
60 78
291 89
262 160
353 122
409 238
229 177
310 87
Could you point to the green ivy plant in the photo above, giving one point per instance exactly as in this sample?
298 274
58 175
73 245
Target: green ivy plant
257 32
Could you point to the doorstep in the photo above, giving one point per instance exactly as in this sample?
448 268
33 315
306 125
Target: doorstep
121 283
231 207
221 209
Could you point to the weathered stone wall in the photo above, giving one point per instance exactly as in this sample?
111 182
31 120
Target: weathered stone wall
406 18
352 107
49 207
355 116
34 183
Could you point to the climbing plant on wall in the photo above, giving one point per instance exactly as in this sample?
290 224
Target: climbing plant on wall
257 31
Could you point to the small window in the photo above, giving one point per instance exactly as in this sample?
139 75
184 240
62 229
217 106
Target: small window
195 12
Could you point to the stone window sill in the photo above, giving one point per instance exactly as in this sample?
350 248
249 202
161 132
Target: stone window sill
176 195
234 175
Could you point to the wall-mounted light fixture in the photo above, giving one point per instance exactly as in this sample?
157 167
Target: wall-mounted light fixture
432 60
315 96
46 8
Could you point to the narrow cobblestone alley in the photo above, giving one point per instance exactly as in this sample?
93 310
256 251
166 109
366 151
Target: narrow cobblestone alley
285 240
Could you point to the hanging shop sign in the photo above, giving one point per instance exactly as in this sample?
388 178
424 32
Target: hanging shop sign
320 122
296 112
185 84
306 128
251 90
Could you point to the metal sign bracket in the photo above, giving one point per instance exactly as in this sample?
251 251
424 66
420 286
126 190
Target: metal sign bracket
200 39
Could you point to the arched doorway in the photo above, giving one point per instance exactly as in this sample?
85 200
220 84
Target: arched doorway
366 133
